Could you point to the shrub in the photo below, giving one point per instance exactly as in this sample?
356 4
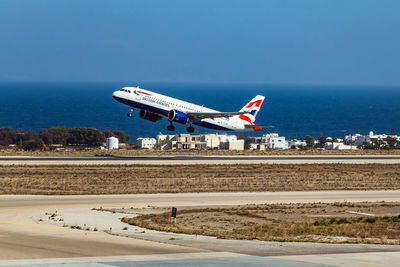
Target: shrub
342 220
371 220
7 136
35 144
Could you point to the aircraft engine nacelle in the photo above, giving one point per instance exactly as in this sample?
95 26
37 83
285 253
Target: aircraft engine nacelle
178 116
149 116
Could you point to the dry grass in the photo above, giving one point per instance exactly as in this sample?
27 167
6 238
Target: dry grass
296 222
141 152
124 179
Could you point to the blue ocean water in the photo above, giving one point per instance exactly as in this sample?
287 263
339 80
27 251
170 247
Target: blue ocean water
295 111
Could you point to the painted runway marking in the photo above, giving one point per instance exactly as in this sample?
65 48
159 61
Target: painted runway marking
34 225
39 207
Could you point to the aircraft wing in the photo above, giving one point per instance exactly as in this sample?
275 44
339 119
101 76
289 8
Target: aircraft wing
258 126
194 116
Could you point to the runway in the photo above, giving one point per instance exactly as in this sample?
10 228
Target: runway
190 159
24 236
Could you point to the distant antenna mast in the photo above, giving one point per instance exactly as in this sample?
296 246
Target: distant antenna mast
351 139
344 136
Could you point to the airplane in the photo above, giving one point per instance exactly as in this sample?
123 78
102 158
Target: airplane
153 107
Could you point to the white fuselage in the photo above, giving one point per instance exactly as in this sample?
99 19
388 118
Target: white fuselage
161 105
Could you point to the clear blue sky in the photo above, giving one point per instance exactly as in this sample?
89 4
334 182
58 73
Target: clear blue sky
213 41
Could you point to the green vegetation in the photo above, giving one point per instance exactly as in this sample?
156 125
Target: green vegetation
58 136
357 220
314 222
309 141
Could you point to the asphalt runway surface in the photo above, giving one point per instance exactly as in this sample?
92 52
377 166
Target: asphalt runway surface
23 237
193 159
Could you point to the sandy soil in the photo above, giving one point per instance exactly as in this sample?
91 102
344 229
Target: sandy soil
123 179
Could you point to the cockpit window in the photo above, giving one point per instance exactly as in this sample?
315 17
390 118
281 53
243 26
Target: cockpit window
124 90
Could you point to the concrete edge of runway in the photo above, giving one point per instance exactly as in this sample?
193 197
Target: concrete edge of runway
189 160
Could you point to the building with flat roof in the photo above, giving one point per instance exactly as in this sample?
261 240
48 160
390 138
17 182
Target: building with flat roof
203 141
338 146
146 142
269 141
111 143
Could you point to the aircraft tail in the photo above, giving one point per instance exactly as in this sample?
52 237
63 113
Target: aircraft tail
254 106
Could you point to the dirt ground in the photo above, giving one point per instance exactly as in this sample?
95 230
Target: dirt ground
132 179
341 222
141 152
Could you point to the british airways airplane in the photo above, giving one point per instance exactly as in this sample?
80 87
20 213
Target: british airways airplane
154 107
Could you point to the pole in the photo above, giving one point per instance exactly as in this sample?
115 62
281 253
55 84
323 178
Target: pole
344 136
351 139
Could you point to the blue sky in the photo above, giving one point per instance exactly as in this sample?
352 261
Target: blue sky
272 42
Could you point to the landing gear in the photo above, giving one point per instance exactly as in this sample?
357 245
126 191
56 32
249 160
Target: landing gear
190 129
171 128
130 113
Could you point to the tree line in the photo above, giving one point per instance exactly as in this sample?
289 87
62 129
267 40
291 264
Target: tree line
28 140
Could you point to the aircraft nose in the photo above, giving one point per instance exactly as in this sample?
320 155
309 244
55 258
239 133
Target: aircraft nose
115 95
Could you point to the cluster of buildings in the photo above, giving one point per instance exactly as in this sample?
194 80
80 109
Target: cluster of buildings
265 142
188 141
216 141
359 141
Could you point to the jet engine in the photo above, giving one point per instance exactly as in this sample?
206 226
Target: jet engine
149 116
178 116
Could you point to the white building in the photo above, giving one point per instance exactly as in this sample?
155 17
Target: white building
146 142
273 141
378 139
180 142
231 142
163 141
236 145
212 140
278 142
338 146
205 141
225 139
111 143
268 141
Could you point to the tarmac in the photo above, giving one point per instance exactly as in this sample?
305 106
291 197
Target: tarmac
182 160
189 259
29 236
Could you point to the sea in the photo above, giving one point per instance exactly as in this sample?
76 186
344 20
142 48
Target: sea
294 110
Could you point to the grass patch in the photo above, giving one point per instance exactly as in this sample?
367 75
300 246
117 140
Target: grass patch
127 179
316 222
141 152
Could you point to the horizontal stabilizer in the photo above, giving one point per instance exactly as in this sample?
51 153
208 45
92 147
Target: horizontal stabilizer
258 126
